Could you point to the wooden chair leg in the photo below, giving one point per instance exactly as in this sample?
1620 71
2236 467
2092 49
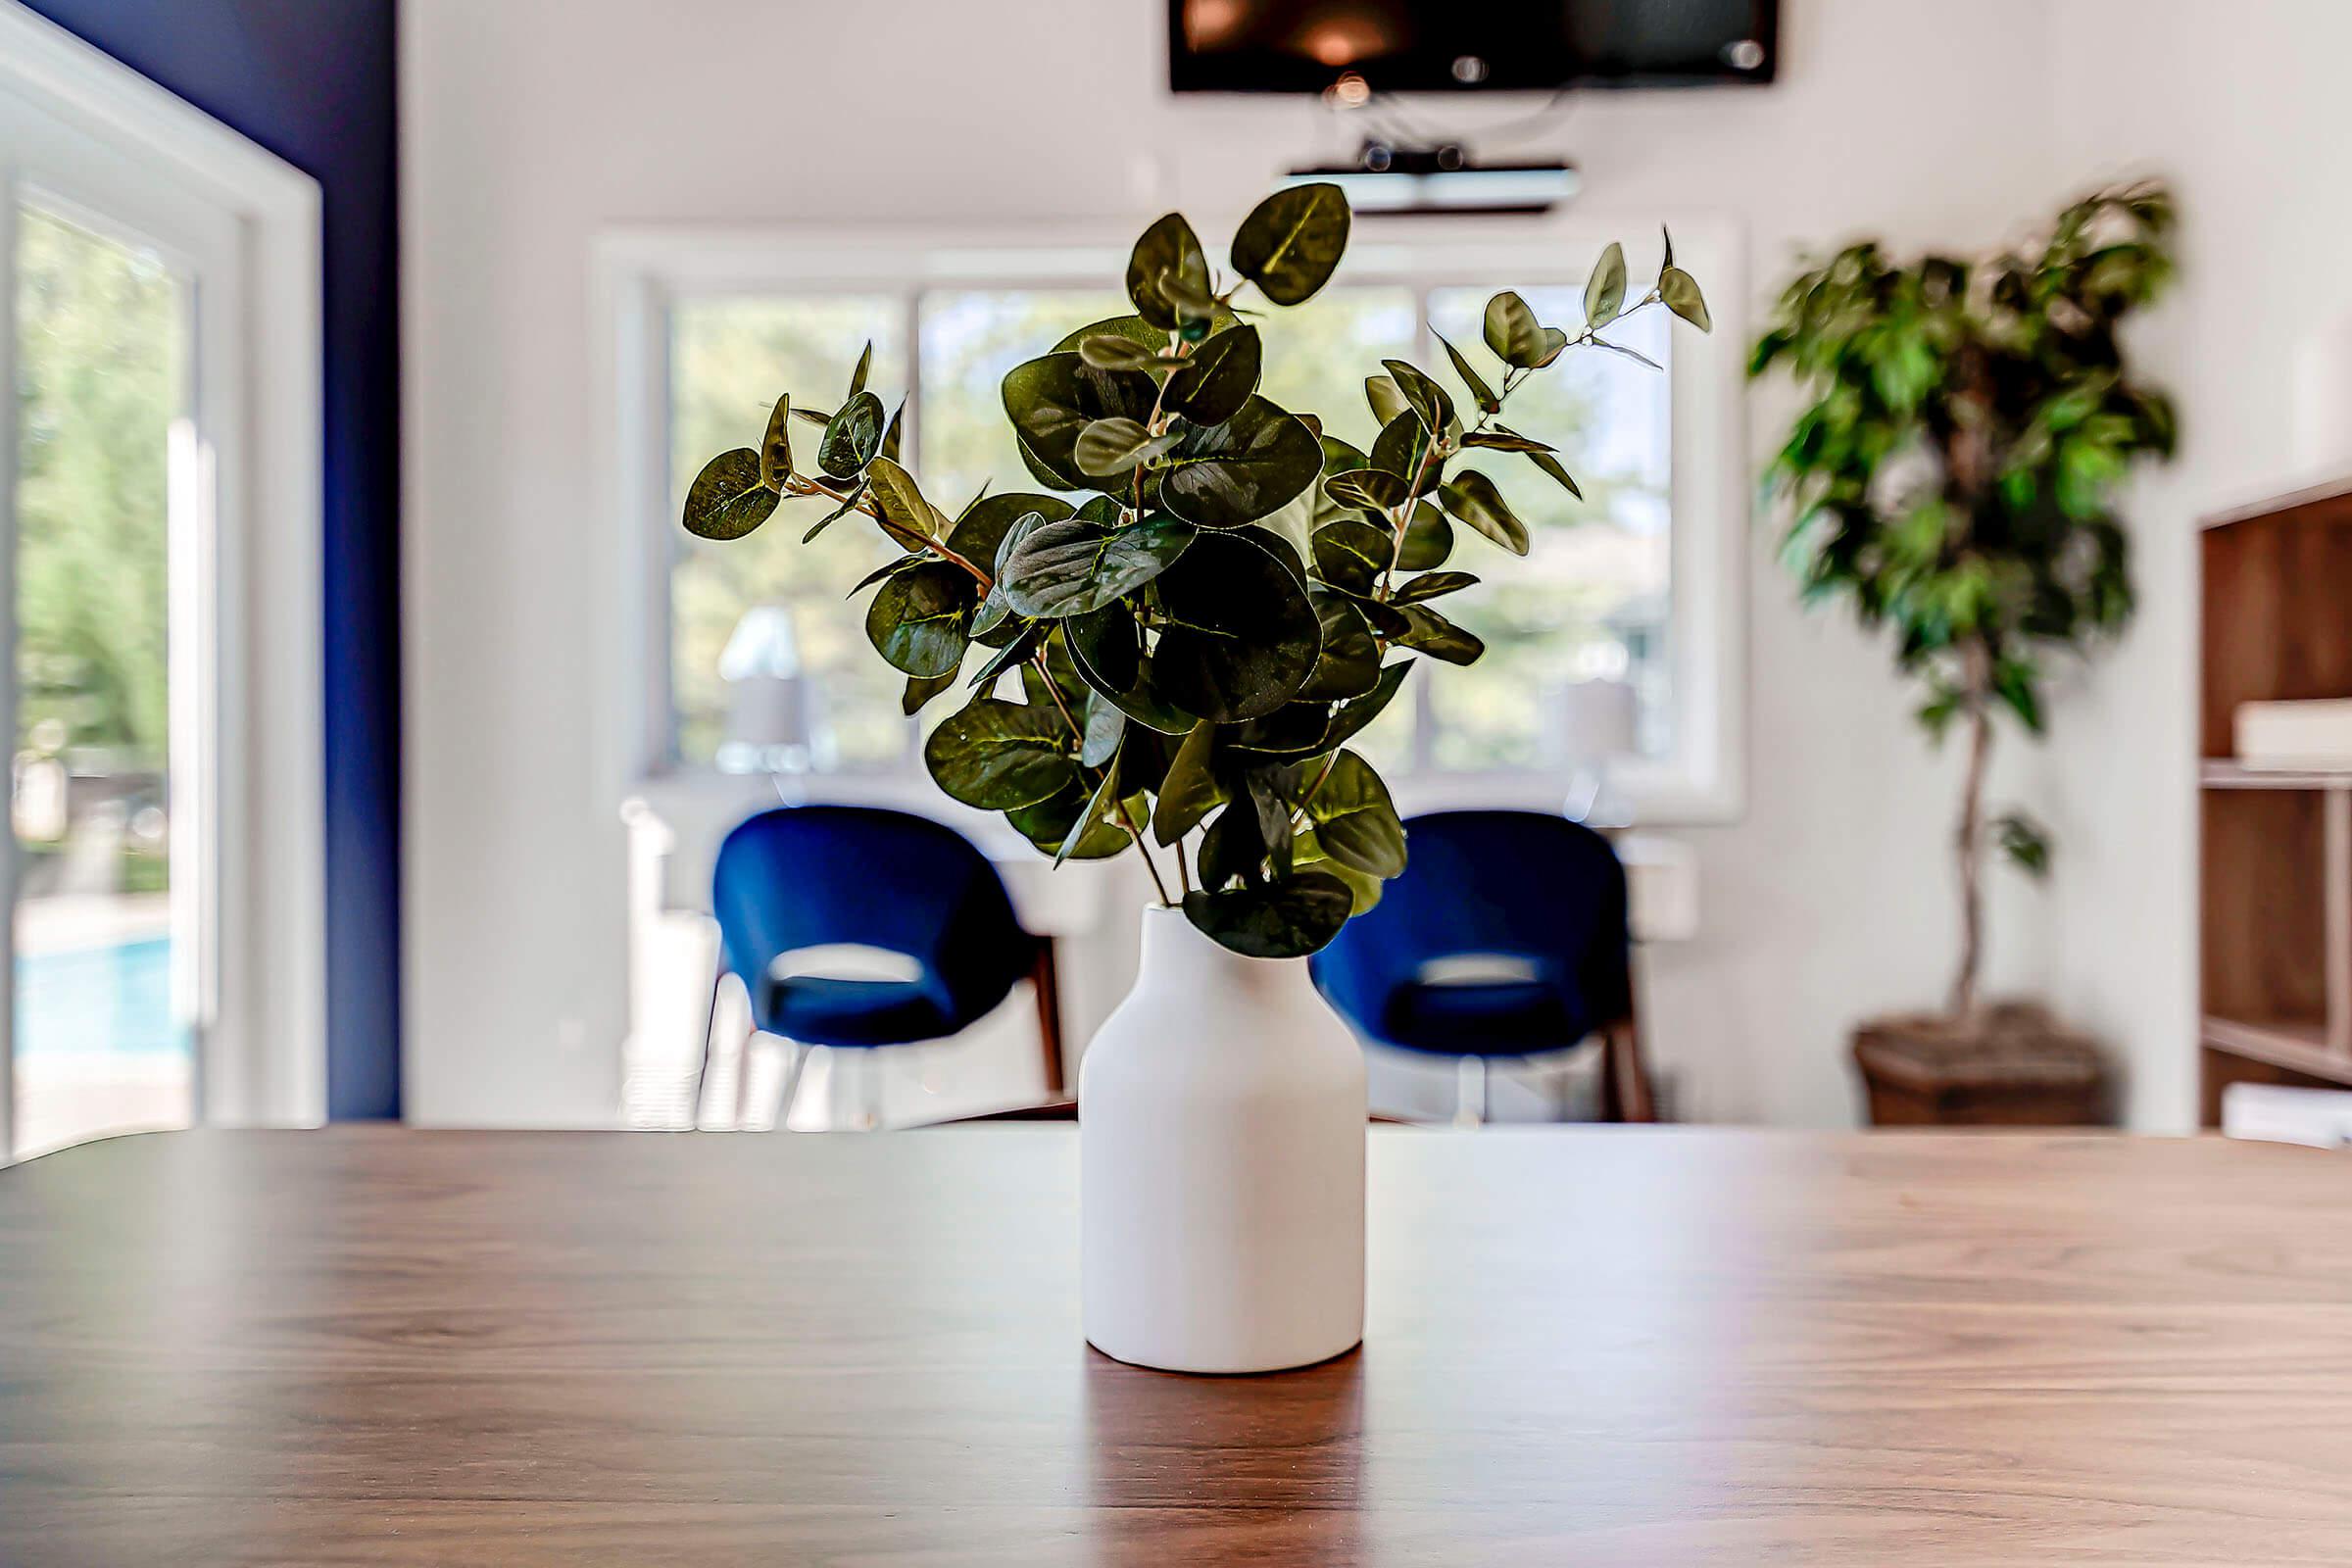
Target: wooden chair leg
1048 983
1625 1088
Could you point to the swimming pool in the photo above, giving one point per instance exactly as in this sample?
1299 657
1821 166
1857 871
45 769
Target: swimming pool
97 1000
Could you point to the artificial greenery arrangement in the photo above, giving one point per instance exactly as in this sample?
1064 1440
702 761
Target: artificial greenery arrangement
1204 628
1955 472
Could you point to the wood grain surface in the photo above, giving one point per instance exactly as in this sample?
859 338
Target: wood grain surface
1588 1347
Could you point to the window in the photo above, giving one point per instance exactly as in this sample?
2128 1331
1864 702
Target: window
1619 615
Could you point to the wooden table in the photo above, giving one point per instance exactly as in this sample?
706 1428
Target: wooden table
1586 1347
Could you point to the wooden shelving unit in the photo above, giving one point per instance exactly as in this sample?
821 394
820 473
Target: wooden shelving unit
2276 845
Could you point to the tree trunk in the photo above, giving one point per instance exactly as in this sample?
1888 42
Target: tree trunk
1977 665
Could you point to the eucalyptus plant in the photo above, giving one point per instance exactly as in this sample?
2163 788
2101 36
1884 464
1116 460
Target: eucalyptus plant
1954 473
1206 597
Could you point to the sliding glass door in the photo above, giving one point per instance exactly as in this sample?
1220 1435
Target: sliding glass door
108 928
161 962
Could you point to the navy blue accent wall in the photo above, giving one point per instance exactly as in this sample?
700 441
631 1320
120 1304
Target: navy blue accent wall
312 81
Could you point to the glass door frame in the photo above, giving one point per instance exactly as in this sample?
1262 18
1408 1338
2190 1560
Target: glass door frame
85 138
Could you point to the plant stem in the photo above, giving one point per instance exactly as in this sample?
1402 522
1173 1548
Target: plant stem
1161 888
801 485
1308 798
1403 517
1977 683
1053 689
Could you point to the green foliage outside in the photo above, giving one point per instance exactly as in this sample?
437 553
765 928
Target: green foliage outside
1953 473
99 382
1208 597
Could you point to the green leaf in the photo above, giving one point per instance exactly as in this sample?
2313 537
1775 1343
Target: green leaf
2014 683
890 437
2024 842
1133 329
979 534
1367 490
1404 448
1272 812
888 568
1073 566
1226 475
1233 850
1513 333
1619 349
1106 726
1286 919
848 504
1501 438
1356 821
1306 854
1098 806
1291 242
1241 636
1472 497
1105 350
1191 790
1348 720
1106 646
920 689
1488 402
1350 554
1386 399
998 756
1052 400
1049 824
1295 729
1552 466
1218 378
1680 290
726 500
775 447
1430 584
911 520
1014 649
853 438
1428 632
917 622
1428 400
865 363
1195 307
1428 539
1169 252
1108 448
1604 290
1348 664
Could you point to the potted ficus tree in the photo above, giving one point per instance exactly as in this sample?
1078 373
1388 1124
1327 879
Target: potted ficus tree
1166 647
1952 475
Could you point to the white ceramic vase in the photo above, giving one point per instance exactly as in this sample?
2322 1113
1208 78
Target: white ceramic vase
1221 1137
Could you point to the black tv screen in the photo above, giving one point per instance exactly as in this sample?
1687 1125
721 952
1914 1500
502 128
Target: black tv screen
1468 45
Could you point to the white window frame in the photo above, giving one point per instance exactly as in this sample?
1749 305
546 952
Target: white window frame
252 604
638 274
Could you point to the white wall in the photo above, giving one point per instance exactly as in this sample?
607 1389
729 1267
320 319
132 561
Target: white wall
2244 107
530 125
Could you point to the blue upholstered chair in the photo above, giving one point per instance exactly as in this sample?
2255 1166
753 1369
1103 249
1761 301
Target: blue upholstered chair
820 876
1505 937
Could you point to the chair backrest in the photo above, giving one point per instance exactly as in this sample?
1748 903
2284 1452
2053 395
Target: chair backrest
1523 885
806 876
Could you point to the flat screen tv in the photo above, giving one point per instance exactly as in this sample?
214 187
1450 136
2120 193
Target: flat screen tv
1468 45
